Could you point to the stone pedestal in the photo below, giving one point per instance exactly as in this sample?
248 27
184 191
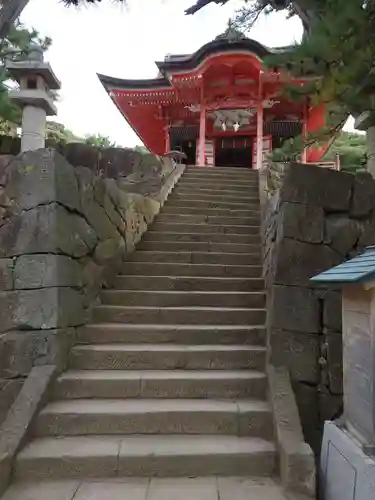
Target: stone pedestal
33 128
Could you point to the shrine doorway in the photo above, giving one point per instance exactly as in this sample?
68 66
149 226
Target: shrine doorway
234 152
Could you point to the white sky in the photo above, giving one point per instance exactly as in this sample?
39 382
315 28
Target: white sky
125 42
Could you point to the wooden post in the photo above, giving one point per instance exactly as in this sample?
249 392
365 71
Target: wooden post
167 139
304 134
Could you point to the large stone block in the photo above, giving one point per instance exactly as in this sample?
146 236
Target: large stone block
9 390
46 270
119 162
82 155
332 310
342 234
21 350
363 201
40 177
307 402
6 274
297 262
294 308
302 222
46 229
96 216
42 309
298 352
332 371
367 237
318 187
102 197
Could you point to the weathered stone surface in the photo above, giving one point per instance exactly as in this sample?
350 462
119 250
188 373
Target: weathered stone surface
21 350
102 197
109 249
307 401
82 155
119 162
367 237
342 233
317 186
43 309
330 406
297 262
363 201
96 216
9 390
332 310
302 222
46 270
6 274
299 352
40 177
294 308
332 367
46 229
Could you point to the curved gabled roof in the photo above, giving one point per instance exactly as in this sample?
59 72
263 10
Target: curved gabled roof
181 62
221 45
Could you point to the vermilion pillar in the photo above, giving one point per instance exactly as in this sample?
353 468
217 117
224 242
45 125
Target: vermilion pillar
167 140
202 134
259 140
316 120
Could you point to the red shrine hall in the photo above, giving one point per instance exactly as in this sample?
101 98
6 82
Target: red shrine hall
220 106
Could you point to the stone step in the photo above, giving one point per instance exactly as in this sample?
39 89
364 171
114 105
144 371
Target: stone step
232 173
176 315
209 219
137 455
224 190
204 182
211 212
155 416
204 203
173 298
245 239
118 384
177 334
175 227
191 196
188 283
199 270
167 357
196 257
196 246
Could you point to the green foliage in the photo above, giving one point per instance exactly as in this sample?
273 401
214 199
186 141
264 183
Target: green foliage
57 132
352 150
100 141
142 149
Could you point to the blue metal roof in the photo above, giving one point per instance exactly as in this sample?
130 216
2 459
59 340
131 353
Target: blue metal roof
357 270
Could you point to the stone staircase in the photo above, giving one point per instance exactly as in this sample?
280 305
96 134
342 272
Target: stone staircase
169 378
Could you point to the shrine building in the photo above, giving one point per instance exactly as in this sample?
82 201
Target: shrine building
219 105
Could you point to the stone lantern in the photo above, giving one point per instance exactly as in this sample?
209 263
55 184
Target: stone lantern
348 450
35 78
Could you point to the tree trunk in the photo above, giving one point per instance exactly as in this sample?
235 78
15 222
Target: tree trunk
10 10
370 143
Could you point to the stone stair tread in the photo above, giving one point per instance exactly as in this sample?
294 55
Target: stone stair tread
187 293
146 326
137 405
182 308
161 374
142 445
166 347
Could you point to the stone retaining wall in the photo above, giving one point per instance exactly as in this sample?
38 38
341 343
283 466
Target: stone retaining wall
313 219
63 235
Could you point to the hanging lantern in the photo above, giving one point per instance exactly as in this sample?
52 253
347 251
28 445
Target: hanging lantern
236 126
223 126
